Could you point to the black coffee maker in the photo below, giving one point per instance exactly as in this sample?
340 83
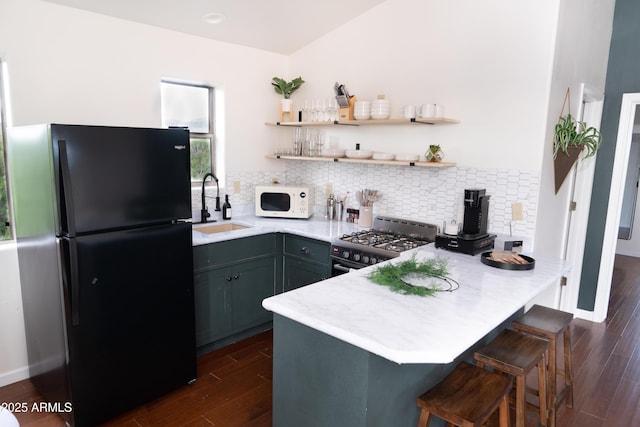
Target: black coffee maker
473 238
476 209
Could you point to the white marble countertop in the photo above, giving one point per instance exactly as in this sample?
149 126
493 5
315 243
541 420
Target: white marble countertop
413 329
315 227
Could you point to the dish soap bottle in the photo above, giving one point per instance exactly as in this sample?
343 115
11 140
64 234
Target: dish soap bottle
226 208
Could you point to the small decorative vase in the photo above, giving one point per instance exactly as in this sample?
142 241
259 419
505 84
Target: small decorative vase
285 105
434 154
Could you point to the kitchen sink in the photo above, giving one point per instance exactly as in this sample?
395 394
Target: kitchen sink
218 228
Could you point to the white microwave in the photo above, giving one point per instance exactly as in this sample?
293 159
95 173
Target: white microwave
284 201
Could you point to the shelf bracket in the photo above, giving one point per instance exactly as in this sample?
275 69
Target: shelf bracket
414 120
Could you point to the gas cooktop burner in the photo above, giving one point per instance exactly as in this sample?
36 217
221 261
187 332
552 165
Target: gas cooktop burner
386 239
368 238
403 244
379 239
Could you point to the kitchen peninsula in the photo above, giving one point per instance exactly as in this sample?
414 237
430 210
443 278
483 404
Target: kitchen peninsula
349 352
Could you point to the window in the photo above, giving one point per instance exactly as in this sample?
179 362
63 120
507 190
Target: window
191 105
5 228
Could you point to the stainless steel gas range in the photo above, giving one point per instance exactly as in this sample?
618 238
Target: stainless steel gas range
385 240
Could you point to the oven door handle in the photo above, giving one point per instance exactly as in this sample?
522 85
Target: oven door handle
341 267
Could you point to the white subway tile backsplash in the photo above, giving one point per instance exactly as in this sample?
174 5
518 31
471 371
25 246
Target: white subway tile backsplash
425 194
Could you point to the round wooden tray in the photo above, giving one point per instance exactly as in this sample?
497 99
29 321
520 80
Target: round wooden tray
485 259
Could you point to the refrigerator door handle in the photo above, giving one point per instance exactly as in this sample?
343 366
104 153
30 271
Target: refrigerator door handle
66 186
74 282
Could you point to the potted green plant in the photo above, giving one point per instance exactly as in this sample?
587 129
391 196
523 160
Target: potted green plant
570 138
285 88
435 154
570 132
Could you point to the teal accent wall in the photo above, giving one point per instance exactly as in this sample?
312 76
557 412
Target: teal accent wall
623 76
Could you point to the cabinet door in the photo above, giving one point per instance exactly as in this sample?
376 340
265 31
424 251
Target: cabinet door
299 273
212 304
252 282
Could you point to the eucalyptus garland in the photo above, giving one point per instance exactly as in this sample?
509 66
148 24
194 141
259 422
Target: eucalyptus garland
393 275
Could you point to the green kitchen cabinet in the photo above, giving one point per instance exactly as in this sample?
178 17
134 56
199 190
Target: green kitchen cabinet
212 305
231 279
305 261
252 282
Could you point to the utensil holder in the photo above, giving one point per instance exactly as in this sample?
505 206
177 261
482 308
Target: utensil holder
346 113
366 216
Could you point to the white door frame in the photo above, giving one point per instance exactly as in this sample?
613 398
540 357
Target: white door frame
589 111
612 222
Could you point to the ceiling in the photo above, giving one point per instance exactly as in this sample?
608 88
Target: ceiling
281 26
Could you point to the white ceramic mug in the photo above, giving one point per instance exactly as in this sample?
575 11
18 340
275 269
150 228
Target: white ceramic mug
427 110
438 110
409 111
452 228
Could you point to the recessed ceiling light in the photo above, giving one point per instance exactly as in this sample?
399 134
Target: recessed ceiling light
214 18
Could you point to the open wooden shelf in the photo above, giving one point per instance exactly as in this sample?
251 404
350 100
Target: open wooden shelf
364 161
424 121
405 122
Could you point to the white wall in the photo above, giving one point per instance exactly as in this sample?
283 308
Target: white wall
581 56
488 62
581 53
13 365
71 66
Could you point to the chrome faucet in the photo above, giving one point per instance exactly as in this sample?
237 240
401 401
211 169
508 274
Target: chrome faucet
204 212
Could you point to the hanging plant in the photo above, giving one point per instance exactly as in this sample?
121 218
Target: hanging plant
570 132
571 137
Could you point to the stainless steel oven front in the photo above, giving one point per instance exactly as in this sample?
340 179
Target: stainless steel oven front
345 259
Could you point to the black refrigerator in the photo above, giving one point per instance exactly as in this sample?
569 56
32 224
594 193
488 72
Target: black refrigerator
106 264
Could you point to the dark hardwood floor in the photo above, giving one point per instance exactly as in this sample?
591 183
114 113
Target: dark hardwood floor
607 358
234 383
233 389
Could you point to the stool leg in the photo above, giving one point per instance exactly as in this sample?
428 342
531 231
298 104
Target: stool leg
553 348
505 419
425 416
568 374
542 393
520 400
552 386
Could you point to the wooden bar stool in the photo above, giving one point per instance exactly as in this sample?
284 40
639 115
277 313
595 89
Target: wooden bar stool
550 324
516 354
467 397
